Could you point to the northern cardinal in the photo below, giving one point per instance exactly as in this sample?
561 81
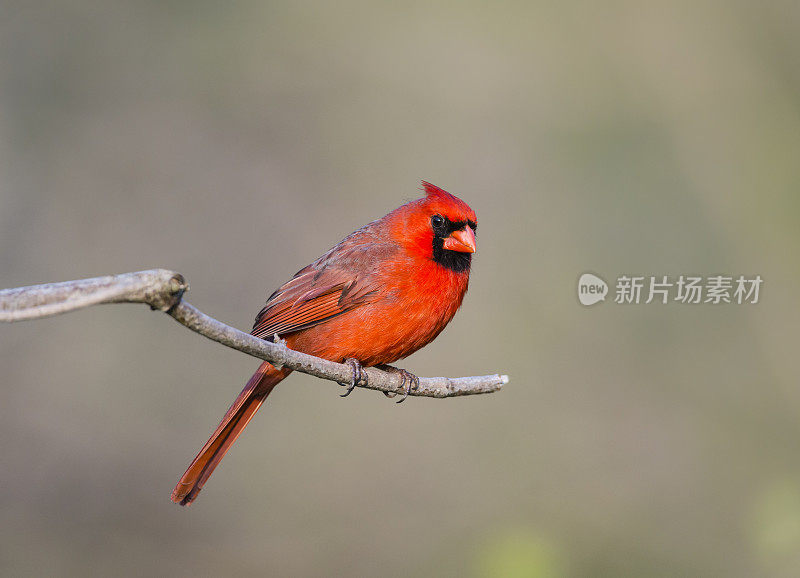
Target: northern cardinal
379 295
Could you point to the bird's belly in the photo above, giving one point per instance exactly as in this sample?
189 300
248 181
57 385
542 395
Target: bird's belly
376 333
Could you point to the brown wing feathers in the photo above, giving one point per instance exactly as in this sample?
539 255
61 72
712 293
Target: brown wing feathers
310 298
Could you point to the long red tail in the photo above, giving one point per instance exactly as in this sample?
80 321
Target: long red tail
239 414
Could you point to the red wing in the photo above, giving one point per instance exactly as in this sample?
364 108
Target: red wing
312 297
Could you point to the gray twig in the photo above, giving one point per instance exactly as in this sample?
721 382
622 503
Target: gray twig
163 290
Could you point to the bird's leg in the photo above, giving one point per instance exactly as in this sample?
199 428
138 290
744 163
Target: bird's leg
358 375
410 381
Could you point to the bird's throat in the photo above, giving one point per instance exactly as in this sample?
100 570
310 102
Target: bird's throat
453 260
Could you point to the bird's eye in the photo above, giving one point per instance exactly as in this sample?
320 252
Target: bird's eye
437 221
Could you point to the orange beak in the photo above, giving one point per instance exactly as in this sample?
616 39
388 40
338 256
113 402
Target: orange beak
462 241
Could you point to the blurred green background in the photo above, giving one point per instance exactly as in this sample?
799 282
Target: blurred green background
235 142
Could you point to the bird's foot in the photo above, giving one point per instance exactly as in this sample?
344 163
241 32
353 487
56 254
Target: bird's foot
276 339
410 381
358 375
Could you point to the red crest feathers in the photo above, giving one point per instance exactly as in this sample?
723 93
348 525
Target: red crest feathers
432 190
434 193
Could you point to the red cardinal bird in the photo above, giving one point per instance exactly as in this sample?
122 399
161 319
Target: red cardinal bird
379 295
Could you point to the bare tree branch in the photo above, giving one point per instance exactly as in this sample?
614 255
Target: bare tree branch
163 290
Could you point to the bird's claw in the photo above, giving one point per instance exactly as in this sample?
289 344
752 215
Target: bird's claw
358 375
410 382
